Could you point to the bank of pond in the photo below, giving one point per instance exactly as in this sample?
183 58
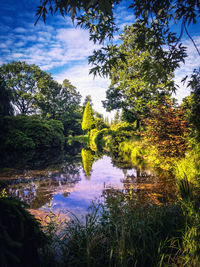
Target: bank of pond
97 208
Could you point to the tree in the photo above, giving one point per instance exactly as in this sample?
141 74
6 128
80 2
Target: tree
5 100
21 80
88 119
87 98
55 100
191 104
35 91
130 89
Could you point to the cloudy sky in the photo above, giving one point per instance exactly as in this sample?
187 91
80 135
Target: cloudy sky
62 50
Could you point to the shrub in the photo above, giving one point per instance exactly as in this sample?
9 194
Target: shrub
31 132
19 140
166 130
119 133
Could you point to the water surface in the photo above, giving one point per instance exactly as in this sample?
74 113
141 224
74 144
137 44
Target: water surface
72 187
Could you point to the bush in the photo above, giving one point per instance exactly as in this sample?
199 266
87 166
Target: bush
119 133
18 140
31 132
166 130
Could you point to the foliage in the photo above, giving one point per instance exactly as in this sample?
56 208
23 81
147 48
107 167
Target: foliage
93 139
187 173
166 130
88 119
18 140
189 166
5 99
57 101
119 133
191 104
155 16
21 236
26 132
88 98
33 91
132 150
130 90
87 160
22 81
99 124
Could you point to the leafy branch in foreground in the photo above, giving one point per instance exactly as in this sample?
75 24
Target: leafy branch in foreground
98 16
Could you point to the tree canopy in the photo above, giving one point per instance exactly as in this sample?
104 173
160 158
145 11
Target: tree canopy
35 91
21 80
153 19
131 90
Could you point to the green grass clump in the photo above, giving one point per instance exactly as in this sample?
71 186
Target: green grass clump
119 233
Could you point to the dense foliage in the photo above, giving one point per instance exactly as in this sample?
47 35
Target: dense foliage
31 132
36 112
166 130
130 90
33 91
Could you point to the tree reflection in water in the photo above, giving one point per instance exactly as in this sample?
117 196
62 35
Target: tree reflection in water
87 159
66 184
37 187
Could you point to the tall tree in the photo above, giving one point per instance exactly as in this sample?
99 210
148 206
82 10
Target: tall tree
5 100
88 119
56 100
130 89
21 80
35 91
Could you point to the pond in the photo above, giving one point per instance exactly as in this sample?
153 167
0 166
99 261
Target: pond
75 182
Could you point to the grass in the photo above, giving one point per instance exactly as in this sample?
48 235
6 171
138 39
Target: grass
118 233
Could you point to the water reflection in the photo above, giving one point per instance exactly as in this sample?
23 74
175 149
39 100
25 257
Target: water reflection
37 187
87 159
73 187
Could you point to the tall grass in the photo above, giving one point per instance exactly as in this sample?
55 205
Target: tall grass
118 233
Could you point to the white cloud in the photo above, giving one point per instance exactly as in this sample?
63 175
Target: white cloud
20 30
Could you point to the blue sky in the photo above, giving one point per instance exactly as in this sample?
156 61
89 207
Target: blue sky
62 50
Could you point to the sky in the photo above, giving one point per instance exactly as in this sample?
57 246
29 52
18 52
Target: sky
62 50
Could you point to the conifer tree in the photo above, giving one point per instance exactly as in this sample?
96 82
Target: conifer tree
88 119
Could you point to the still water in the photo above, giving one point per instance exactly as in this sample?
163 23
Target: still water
75 183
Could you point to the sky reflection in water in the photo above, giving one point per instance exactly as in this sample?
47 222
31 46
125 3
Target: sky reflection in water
70 190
